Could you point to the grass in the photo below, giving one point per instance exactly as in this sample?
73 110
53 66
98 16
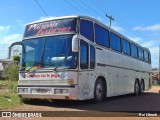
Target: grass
155 84
8 95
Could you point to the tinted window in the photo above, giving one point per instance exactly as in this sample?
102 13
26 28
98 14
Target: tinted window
101 36
134 51
86 29
146 56
125 47
58 52
115 42
140 53
84 55
92 57
33 50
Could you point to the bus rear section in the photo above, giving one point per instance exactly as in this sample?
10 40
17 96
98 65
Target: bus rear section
48 85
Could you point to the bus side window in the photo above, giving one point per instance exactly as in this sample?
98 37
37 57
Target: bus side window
146 56
140 54
83 55
92 57
115 42
126 47
134 52
101 36
86 29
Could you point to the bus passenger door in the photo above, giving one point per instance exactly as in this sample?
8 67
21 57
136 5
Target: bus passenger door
86 73
83 75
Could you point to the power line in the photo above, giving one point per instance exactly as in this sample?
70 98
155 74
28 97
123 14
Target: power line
41 8
93 10
126 27
72 6
82 5
103 10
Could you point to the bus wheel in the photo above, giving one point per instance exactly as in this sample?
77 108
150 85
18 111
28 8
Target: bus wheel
141 87
136 88
98 91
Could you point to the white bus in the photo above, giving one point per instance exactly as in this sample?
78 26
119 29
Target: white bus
79 58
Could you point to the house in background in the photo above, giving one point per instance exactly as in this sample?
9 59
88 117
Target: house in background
1 68
4 63
155 72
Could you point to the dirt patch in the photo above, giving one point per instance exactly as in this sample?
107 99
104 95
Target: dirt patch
126 105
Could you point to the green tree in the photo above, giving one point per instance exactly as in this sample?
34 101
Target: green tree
16 59
12 72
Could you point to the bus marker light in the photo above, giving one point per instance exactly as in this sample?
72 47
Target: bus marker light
70 81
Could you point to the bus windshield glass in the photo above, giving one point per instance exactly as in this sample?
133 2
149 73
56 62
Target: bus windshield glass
49 52
50 27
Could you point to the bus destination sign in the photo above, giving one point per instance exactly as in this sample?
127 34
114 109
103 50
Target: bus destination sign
50 27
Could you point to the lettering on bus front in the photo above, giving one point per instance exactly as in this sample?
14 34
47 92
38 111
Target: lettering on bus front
41 75
51 31
50 27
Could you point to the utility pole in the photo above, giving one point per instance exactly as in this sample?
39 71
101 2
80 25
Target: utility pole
110 19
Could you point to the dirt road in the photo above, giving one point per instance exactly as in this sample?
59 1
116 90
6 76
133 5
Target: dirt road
149 101
127 105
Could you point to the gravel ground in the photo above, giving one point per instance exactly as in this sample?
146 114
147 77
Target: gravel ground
120 107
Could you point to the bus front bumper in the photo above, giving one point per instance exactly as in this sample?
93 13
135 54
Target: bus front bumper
66 93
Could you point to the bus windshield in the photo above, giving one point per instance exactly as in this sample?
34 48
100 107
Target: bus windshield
49 52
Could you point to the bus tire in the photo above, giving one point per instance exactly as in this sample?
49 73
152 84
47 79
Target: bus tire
136 88
141 87
99 91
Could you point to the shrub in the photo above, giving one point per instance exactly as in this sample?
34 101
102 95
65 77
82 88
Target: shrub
13 86
16 59
12 72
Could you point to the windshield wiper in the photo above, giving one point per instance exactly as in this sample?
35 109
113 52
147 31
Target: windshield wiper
36 65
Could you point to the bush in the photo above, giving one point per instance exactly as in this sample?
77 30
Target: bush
13 87
12 72
16 59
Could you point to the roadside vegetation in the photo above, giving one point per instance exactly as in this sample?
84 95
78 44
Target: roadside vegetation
8 86
156 84
8 95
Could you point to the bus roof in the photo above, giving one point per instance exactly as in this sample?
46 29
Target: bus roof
92 19
53 18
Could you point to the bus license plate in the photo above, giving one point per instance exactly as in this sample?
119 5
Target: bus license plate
41 90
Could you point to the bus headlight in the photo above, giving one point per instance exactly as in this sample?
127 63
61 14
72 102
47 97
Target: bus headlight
22 90
57 91
61 91
65 91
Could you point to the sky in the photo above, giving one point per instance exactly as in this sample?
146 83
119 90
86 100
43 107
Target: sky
138 20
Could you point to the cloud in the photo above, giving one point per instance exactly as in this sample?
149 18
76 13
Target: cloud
154 56
4 29
7 40
20 23
151 45
118 28
100 19
154 49
155 27
136 39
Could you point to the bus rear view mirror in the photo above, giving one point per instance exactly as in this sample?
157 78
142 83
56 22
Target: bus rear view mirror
75 46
